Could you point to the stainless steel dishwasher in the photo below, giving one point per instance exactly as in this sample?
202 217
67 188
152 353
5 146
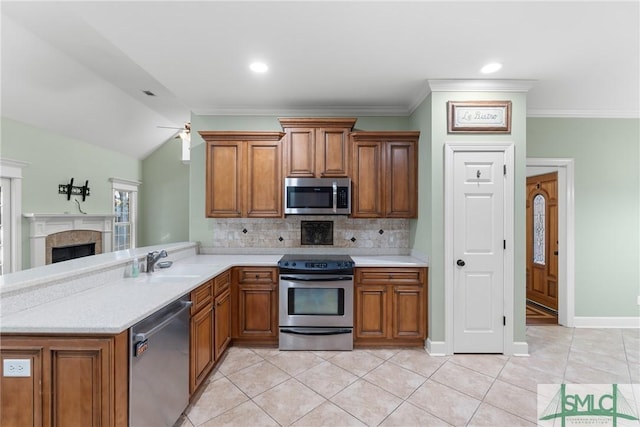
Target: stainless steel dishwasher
159 363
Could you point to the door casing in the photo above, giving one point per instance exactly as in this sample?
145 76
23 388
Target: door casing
566 235
508 150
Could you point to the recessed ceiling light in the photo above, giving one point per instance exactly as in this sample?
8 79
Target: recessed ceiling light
491 68
259 67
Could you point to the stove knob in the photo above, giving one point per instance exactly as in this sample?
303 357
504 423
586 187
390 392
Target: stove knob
293 264
286 263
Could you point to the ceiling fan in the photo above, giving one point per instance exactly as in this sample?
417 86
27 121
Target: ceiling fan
185 131
185 136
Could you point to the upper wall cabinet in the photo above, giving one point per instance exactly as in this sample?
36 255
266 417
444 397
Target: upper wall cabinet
316 147
384 174
243 174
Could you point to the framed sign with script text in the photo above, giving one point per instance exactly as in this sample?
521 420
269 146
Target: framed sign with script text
479 116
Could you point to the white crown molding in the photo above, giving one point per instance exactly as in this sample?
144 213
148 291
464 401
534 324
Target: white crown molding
360 111
587 114
461 85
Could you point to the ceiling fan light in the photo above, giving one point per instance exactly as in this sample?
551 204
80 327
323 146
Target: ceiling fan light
491 68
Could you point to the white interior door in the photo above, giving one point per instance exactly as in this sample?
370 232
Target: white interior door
478 252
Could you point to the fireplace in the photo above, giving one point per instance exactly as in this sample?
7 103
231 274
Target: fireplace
48 231
71 244
65 253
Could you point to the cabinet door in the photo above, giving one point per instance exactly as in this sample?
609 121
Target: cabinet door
21 397
332 152
367 174
401 192
257 311
409 312
300 152
201 351
80 382
222 322
224 179
264 179
371 319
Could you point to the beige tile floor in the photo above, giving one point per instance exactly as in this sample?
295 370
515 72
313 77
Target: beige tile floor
407 387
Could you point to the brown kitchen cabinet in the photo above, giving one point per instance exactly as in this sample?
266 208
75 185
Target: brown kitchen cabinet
390 306
210 331
243 174
384 173
201 335
74 381
316 147
255 302
222 313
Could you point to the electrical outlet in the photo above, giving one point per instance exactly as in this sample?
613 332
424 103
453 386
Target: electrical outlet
16 367
638 299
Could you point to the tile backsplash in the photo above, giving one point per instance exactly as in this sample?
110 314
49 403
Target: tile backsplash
370 236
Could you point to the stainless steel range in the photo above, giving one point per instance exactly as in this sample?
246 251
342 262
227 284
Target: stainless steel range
316 302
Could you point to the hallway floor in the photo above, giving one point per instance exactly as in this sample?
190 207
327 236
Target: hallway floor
407 387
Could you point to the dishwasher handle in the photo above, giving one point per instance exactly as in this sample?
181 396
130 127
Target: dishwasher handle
141 336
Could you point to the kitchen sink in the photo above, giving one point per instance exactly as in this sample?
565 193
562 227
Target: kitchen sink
178 273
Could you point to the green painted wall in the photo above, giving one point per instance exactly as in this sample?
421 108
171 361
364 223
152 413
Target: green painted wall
201 228
164 196
607 213
431 119
53 160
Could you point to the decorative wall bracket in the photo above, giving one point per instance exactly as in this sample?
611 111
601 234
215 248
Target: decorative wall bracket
70 189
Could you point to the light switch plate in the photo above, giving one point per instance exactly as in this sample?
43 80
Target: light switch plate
16 367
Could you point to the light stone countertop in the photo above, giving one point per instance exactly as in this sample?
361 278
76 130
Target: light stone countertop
120 303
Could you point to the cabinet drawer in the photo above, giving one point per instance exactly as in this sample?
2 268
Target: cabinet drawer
399 276
265 275
221 282
202 296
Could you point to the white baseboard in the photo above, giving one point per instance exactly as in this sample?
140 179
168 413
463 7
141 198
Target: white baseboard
606 322
520 349
436 348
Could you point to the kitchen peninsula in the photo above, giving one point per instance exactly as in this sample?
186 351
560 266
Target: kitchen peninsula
71 322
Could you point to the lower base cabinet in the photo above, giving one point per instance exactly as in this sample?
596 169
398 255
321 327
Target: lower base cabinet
74 381
210 331
390 306
255 304
222 313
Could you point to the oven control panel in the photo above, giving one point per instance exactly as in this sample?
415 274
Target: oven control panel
321 264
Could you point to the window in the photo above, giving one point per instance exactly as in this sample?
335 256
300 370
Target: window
124 207
539 230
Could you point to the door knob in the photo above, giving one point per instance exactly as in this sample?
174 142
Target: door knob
460 263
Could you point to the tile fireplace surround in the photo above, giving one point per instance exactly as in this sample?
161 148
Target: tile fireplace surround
53 230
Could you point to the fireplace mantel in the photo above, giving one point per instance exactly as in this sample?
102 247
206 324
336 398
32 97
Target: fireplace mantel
42 225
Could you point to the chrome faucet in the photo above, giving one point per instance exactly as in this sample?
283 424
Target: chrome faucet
152 258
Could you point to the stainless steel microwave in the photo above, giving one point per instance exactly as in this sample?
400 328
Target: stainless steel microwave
317 196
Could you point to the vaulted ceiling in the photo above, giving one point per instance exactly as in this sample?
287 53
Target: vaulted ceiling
79 68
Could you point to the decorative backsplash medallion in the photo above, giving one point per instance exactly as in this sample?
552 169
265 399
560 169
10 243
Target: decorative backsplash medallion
316 232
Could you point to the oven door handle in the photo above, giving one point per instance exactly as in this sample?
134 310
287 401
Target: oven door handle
316 331
312 278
